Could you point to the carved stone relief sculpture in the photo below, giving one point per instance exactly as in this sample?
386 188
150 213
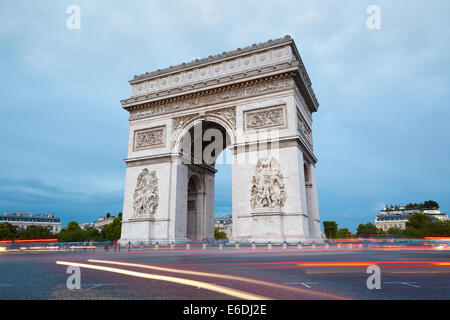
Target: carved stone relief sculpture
178 123
146 193
265 118
267 186
228 114
147 138
303 128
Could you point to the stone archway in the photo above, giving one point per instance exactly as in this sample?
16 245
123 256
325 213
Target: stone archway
200 174
260 100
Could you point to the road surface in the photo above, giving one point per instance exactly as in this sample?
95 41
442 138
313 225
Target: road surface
243 273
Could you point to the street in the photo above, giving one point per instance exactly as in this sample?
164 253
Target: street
230 273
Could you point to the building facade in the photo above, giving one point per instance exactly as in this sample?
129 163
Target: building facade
24 220
102 222
398 217
224 224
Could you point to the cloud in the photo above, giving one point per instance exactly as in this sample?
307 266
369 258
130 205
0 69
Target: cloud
380 133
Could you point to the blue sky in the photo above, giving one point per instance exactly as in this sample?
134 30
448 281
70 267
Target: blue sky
381 133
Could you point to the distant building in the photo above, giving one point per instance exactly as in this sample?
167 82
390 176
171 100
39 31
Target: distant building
102 222
86 225
24 220
224 224
398 216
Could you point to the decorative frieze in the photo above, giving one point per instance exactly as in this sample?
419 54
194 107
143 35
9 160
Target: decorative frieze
228 94
149 138
229 115
304 129
265 118
275 53
267 186
145 198
179 122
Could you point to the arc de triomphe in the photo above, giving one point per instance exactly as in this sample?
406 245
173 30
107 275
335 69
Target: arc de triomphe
260 100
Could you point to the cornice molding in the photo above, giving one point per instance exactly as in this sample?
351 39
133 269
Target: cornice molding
256 61
233 92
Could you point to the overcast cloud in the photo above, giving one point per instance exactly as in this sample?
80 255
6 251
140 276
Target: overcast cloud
381 133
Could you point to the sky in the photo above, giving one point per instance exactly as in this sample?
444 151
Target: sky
381 132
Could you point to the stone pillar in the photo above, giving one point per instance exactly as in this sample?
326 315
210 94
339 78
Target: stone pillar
288 222
148 226
178 200
314 203
208 221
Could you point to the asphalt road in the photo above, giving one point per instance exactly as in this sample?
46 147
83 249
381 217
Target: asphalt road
198 274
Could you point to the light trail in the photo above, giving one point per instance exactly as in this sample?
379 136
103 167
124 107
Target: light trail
328 264
193 283
221 276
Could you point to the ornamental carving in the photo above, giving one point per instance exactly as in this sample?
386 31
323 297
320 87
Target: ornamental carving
265 118
148 138
267 186
228 114
303 128
178 123
146 193
214 98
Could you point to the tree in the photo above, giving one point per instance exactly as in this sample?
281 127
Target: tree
92 234
330 229
367 229
112 231
73 233
344 233
8 231
419 221
108 215
36 232
395 231
440 229
430 204
219 234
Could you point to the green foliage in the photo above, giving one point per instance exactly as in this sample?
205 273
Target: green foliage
344 233
219 234
395 231
440 229
430 204
367 229
419 221
330 229
8 231
92 234
36 232
420 225
112 231
73 232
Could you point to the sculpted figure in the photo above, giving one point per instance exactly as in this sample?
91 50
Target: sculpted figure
267 186
146 193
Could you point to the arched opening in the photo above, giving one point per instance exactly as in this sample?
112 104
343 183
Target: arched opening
201 148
